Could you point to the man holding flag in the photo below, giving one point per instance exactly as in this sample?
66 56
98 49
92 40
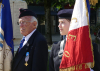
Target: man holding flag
6 37
64 16
78 52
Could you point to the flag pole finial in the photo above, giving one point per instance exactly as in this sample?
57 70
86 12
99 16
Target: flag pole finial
93 2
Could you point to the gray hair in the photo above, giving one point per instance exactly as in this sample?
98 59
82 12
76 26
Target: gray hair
34 19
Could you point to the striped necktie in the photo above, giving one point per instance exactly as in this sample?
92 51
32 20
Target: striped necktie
21 43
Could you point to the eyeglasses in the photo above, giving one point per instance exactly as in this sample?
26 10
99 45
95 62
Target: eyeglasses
23 22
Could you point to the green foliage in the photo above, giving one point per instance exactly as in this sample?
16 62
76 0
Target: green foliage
97 40
60 3
57 5
95 28
49 47
34 1
54 3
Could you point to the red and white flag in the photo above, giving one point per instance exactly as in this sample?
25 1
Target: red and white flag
78 52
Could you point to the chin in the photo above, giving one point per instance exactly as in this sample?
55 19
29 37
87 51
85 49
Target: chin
22 33
61 33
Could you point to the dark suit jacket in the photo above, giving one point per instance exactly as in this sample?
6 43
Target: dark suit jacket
38 55
96 57
54 59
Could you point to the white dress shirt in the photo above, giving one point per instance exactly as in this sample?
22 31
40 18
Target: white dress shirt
28 36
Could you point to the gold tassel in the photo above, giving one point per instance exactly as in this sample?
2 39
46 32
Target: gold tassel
93 2
77 67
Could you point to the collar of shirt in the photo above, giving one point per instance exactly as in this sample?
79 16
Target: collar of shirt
66 37
28 36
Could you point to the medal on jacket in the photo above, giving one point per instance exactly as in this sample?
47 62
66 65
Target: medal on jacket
26 58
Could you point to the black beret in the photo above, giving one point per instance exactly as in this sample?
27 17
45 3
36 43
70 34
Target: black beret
65 13
26 12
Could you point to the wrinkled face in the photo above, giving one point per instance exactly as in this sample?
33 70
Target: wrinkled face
64 26
26 25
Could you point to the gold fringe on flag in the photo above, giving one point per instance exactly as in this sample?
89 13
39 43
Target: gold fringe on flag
92 64
78 67
93 2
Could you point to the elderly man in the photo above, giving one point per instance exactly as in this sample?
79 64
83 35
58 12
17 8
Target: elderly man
32 54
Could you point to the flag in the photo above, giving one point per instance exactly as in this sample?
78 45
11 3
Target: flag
6 37
78 51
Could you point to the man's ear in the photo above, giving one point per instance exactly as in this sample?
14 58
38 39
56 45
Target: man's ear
34 23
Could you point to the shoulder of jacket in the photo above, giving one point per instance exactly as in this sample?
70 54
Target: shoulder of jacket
55 45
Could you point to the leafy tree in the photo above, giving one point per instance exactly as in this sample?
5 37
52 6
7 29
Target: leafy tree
53 3
47 5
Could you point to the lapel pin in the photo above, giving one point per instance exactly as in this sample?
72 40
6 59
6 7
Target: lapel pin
27 44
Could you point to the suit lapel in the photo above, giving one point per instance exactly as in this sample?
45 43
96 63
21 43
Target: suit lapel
19 55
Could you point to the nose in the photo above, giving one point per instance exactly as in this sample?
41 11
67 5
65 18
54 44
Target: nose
59 25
